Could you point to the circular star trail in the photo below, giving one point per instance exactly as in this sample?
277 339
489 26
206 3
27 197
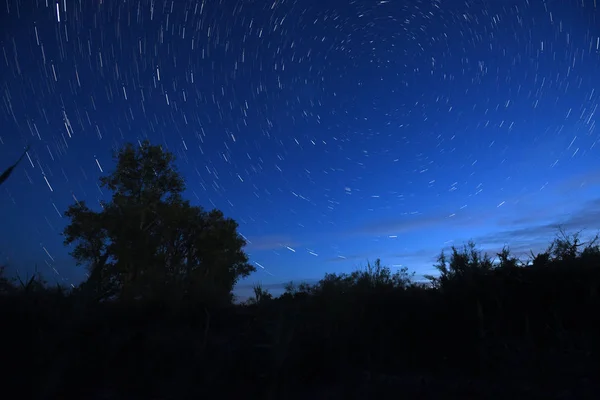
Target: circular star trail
334 132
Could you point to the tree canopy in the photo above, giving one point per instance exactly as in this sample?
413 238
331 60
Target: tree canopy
148 242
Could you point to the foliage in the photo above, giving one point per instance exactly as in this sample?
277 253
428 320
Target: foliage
34 284
487 329
261 295
6 286
375 278
464 264
148 242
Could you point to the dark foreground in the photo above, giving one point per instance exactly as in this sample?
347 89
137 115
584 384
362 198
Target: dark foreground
303 349
493 332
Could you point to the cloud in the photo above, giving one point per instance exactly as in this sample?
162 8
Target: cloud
578 182
564 196
534 233
416 222
420 253
537 236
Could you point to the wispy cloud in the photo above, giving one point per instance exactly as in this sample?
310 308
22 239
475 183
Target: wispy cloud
579 182
525 209
420 254
586 219
411 223
531 232
526 222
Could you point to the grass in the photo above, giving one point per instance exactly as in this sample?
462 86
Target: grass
482 329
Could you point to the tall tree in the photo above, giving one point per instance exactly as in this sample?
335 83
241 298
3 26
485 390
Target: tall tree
148 241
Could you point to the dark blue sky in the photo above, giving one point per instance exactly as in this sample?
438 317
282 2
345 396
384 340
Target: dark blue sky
334 132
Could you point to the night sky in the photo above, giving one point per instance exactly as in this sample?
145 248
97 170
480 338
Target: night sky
334 132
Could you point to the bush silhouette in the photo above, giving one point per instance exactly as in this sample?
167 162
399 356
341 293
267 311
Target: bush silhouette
155 319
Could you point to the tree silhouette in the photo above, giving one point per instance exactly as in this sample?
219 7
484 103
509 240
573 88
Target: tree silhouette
150 243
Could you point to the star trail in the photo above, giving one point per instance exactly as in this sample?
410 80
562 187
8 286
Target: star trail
333 131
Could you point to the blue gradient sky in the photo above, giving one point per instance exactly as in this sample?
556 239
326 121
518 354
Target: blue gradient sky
334 132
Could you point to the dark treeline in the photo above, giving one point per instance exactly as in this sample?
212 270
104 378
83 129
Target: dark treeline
155 319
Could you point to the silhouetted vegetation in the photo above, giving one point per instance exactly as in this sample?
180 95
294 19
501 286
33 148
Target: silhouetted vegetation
148 242
156 319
